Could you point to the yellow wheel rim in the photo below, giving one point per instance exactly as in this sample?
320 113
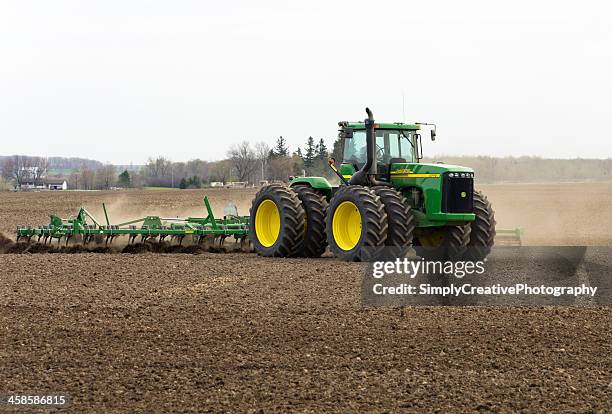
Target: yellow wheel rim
267 223
346 225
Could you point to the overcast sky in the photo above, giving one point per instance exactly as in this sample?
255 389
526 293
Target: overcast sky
120 81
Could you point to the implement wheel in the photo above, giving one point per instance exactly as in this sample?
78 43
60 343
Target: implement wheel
356 224
276 226
401 222
442 243
482 235
315 207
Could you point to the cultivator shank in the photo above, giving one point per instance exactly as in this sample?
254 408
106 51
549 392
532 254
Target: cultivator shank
86 229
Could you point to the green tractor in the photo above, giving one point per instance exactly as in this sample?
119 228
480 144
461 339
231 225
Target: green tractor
387 202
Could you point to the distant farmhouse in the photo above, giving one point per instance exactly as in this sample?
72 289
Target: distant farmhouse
45 184
36 179
58 184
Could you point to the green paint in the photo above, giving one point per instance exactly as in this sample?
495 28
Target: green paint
318 183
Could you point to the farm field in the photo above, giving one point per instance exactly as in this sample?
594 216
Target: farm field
231 332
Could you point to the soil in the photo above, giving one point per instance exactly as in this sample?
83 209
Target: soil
208 332
235 332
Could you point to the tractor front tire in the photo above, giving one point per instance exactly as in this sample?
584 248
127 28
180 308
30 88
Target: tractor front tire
315 207
400 220
276 225
356 224
447 243
482 235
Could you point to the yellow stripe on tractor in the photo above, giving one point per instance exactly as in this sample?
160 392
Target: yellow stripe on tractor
415 175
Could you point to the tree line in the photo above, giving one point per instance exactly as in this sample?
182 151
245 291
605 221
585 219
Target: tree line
257 163
251 164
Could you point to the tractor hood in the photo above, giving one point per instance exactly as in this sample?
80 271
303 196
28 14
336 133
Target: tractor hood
437 183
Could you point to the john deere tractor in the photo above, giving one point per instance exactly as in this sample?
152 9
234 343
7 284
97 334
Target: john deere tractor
387 202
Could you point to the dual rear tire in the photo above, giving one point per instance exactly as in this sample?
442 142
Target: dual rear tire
276 222
359 224
288 222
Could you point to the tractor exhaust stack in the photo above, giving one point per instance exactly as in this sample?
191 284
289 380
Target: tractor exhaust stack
367 174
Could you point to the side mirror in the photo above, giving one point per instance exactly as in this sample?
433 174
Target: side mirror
433 134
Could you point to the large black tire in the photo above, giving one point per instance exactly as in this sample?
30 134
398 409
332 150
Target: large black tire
450 242
482 236
371 228
400 220
290 215
315 207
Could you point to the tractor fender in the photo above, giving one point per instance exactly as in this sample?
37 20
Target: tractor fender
318 183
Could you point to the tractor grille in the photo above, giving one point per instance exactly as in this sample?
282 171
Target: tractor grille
457 193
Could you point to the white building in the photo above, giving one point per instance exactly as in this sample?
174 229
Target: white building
56 184
51 184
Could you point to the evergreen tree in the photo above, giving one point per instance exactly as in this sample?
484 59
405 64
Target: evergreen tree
194 182
322 153
183 183
281 149
310 155
125 180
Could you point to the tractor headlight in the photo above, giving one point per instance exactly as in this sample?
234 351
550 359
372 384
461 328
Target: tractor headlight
451 175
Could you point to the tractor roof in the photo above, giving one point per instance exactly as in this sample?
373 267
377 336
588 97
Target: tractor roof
382 125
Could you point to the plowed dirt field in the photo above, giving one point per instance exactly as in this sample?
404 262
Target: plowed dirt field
238 333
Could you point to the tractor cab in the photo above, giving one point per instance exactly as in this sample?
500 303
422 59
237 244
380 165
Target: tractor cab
395 143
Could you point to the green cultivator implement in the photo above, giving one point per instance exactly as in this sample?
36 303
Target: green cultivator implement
85 228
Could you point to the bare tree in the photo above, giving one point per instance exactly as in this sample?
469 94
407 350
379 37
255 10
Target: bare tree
280 168
159 171
8 168
262 153
243 160
159 167
198 168
220 171
87 178
40 166
106 177
18 168
74 181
